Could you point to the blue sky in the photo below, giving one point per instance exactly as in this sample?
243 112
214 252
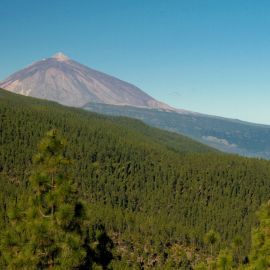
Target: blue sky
209 56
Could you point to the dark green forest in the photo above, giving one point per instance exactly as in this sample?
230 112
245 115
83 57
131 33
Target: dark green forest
156 193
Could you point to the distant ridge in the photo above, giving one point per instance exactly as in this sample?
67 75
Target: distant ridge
229 135
68 82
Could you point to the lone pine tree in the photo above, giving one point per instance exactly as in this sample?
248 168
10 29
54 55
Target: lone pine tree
51 231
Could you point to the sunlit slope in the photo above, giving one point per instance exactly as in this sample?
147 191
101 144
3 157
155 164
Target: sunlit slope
146 185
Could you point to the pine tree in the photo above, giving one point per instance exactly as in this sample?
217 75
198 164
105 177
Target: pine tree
211 238
51 232
260 249
237 245
225 260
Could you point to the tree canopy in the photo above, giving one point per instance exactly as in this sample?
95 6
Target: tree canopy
49 229
155 192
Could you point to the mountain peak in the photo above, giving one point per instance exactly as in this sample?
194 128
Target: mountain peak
60 57
73 84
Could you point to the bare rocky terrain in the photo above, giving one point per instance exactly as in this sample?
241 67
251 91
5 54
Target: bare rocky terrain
68 82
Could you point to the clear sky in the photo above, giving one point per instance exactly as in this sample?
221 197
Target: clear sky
209 56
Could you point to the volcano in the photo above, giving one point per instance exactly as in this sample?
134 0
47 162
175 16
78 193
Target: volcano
70 83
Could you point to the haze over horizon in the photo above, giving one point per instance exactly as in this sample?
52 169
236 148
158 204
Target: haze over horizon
210 57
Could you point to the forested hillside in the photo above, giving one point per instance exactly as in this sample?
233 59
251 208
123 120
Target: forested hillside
151 189
225 134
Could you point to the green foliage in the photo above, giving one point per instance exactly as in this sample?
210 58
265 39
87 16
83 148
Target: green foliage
211 238
225 260
237 248
201 266
178 258
260 248
259 257
51 232
151 189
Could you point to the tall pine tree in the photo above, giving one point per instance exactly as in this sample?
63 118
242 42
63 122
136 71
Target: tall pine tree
51 231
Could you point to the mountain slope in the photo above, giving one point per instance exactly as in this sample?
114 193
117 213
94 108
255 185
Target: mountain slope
169 140
148 194
225 134
63 80
67 82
